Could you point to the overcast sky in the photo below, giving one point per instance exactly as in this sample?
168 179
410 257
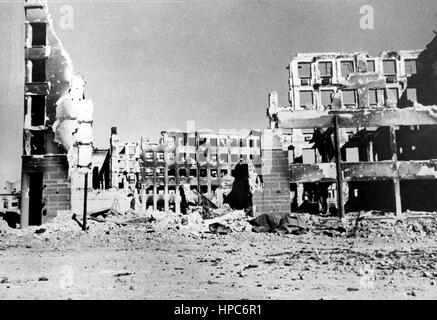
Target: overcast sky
153 65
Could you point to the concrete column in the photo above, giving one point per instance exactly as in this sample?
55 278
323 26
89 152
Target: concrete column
28 71
338 162
155 197
370 157
28 112
166 206
143 196
177 201
299 194
396 183
24 214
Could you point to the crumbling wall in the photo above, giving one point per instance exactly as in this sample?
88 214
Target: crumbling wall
52 149
275 193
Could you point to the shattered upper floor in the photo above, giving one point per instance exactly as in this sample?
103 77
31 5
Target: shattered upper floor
350 81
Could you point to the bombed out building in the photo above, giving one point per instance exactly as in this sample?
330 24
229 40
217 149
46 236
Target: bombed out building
200 159
364 123
358 134
57 132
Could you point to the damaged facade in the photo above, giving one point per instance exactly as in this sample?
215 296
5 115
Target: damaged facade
57 144
201 161
364 123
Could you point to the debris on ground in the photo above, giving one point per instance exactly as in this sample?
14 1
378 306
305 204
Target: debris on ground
275 221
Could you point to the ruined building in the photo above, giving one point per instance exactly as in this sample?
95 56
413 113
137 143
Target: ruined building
366 124
57 143
201 159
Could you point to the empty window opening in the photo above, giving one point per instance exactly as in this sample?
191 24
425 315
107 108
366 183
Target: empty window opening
412 94
213 142
38 107
37 143
389 67
192 157
171 172
160 156
202 141
132 178
306 99
251 143
95 178
304 70
223 172
326 97
38 70
170 156
193 173
308 156
192 141
347 67
204 189
160 205
392 94
160 172
171 189
182 140
352 155
161 190
325 69
410 66
182 172
181 157
370 65
214 173
224 157
148 172
203 156
349 98
35 199
375 97
149 204
39 34
203 173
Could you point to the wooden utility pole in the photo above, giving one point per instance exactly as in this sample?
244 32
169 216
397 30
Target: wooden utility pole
85 195
340 200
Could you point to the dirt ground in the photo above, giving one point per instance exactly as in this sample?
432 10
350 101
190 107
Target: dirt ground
130 262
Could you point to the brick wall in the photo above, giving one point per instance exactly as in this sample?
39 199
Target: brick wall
275 196
55 177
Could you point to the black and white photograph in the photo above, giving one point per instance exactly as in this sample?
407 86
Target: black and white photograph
220 150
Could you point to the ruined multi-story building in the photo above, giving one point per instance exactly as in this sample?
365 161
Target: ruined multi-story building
199 158
364 123
58 137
